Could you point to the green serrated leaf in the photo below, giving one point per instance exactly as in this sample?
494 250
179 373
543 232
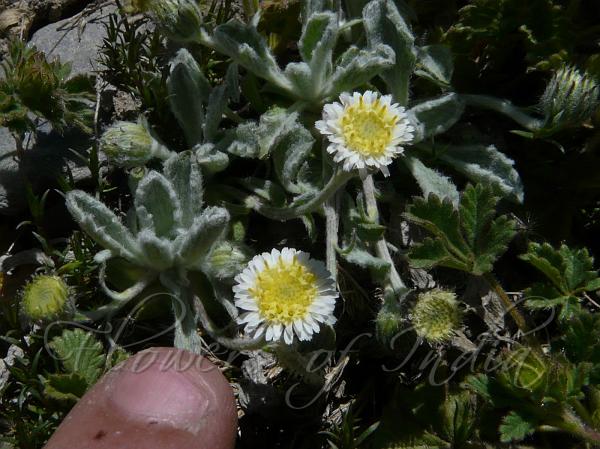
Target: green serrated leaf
65 387
569 273
515 427
80 353
469 239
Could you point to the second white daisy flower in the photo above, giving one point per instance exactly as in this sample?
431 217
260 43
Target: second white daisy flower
285 294
365 131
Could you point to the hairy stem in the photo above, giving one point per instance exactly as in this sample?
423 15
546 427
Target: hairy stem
336 182
509 306
381 247
572 424
332 234
504 107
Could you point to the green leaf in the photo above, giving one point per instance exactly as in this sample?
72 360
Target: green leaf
431 181
485 164
183 172
515 427
217 104
436 116
435 63
80 353
157 205
385 25
102 225
379 268
65 387
569 273
459 416
246 46
356 67
195 245
469 239
188 91
318 40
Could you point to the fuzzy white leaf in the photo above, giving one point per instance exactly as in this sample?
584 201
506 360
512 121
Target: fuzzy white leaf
430 181
385 25
188 91
486 164
436 116
102 225
184 174
157 205
196 244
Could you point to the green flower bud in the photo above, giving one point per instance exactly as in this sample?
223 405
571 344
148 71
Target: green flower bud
570 99
525 369
227 259
180 19
45 298
436 315
129 144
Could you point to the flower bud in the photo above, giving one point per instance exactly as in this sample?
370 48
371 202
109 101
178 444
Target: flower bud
45 298
227 259
570 99
129 144
525 369
180 19
436 315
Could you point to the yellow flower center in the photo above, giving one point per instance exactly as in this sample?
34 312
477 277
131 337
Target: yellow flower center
285 292
368 129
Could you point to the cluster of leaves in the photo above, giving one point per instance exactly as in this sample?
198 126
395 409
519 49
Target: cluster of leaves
32 87
48 378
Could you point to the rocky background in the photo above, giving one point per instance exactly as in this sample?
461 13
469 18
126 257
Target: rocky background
71 30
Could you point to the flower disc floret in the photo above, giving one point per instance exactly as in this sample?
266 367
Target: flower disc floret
365 131
285 293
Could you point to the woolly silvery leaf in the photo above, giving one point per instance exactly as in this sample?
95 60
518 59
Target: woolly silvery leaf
188 89
431 181
318 38
384 25
436 64
316 45
185 176
242 140
102 225
244 44
210 159
217 104
485 164
379 268
310 7
436 116
273 124
356 67
300 76
157 205
195 244
158 252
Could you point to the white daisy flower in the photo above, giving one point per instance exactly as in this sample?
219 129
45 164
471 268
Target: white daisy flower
283 293
365 131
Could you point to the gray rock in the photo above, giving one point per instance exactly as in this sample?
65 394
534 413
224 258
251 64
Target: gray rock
50 156
75 39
